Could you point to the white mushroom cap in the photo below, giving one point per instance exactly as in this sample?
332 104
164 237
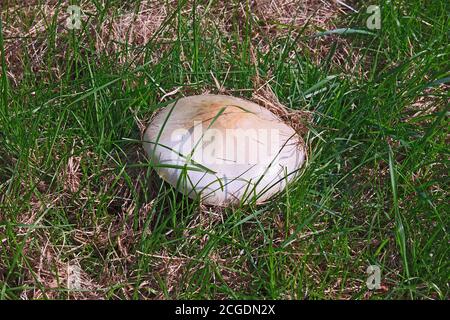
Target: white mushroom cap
225 149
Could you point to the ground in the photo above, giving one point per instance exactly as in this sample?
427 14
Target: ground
83 215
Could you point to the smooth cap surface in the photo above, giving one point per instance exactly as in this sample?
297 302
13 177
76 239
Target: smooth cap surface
225 149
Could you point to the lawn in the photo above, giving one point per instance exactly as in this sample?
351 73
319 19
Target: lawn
83 214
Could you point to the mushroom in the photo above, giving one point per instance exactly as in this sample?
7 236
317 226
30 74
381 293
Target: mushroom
223 149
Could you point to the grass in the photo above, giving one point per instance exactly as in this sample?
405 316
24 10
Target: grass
77 190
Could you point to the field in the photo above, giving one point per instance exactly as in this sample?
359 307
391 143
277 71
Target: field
84 216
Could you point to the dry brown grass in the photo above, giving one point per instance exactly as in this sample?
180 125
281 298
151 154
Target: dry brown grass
125 31
130 30
46 264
